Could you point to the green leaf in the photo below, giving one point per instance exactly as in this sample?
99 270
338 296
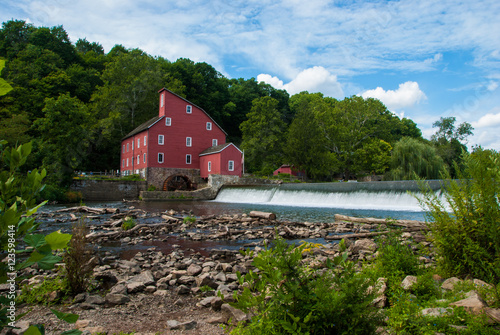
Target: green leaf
35 330
67 317
58 240
35 240
72 332
49 261
35 209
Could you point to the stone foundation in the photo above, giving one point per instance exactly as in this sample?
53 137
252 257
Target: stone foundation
157 176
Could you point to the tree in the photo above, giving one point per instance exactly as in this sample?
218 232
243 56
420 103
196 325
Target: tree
305 147
413 158
263 136
373 157
65 135
450 142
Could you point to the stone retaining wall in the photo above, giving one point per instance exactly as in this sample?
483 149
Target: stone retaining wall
108 190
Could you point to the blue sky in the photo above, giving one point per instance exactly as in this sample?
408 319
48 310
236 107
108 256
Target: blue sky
424 59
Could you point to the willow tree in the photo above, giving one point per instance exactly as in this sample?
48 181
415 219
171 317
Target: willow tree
413 158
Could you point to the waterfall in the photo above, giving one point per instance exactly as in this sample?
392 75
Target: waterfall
384 196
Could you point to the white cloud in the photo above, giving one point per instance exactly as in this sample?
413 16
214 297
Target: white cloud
315 79
407 95
491 119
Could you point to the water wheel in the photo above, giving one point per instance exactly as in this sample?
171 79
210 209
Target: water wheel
177 183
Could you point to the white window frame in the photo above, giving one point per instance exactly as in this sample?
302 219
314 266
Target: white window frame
189 109
209 125
168 121
145 137
144 158
188 159
189 142
138 143
161 140
127 147
215 142
230 165
123 148
162 100
209 166
123 163
138 159
132 144
127 162
160 154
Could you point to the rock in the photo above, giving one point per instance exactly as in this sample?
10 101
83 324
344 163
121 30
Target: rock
205 280
107 279
176 325
80 298
364 246
480 283
450 283
194 270
216 320
95 300
146 278
217 303
21 327
234 314
150 289
183 289
116 299
221 277
206 302
120 288
439 311
473 303
186 280
162 293
493 313
80 324
408 282
135 287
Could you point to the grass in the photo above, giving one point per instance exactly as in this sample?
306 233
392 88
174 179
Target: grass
4 86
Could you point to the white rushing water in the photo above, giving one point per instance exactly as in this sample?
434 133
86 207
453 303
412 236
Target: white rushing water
395 201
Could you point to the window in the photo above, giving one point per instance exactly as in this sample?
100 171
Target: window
230 165
168 121
127 162
123 148
209 166
214 142
123 163
160 157
189 109
160 139
144 158
188 159
188 141
132 144
162 100
138 159
127 147
144 140
209 125
138 143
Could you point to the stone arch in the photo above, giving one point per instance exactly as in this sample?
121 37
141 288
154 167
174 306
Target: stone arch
178 182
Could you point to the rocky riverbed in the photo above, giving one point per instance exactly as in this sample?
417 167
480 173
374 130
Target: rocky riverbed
159 286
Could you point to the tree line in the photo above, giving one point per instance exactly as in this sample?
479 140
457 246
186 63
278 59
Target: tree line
75 102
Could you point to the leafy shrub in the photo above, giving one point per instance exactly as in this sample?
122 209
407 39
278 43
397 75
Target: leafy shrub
189 219
151 188
395 257
287 296
466 227
128 223
39 293
73 197
79 269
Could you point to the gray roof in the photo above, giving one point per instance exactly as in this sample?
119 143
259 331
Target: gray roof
217 149
144 126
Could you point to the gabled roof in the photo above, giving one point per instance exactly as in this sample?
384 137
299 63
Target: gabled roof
146 125
192 104
216 149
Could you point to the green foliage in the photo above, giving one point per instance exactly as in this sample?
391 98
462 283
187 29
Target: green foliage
189 220
4 86
40 293
151 188
466 227
79 269
413 158
287 296
263 136
128 223
396 257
